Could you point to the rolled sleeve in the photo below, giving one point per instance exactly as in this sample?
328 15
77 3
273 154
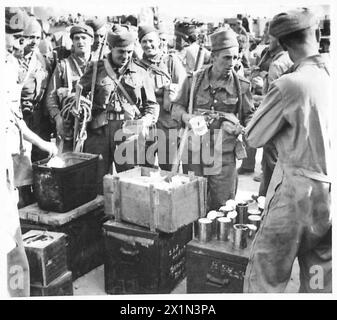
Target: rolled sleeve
267 120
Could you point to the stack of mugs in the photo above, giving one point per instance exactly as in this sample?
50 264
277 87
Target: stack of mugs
234 221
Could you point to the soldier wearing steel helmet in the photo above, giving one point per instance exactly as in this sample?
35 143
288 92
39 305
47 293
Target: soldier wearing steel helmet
294 116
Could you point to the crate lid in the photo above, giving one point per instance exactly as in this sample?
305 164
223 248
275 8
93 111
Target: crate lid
35 214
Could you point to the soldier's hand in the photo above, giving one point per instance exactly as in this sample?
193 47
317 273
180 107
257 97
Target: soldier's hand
50 148
232 129
186 119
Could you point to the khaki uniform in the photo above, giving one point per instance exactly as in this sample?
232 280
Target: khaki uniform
297 222
234 97
36 73
12 251
280 63
166 70
109 106
66 75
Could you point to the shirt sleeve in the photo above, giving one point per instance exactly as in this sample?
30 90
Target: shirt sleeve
247 107
52 100
150 105
267 120
180 104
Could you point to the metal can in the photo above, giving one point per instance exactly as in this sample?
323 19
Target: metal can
255 220
240 234
224 226
204 230
242 210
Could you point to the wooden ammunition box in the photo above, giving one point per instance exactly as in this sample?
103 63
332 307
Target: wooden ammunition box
61 286
215 267
82 227
133 197
47 255
138 261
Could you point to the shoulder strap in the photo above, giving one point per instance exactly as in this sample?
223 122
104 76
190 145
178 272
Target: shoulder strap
199 76
69 77
111 73
157 70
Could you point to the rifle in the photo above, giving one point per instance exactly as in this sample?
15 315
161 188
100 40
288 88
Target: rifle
212 115
78 93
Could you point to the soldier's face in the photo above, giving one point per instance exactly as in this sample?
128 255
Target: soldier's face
33 41
121 55
98 38
15 41
225 60
82 43
150 44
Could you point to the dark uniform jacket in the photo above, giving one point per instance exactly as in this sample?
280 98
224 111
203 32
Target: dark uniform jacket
108 98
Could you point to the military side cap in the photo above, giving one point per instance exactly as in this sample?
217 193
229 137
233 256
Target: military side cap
121 36
144 30
15 20
223 39
95 24
288 22
81 28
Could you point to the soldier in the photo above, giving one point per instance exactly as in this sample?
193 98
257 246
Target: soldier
194 52
167 74
35 74
280 63
294 116
13 260
65 77
100 29
219 91
123 90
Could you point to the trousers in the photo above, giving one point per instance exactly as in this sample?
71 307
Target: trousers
296 224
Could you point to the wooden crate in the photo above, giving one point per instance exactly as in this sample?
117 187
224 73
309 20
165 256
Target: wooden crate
61 286
215 267
139 261
47 255
129 198
82 227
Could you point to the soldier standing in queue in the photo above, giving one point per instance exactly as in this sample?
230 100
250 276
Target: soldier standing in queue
35 72
100 28
123 91
294 115
219 90
67 74
167 74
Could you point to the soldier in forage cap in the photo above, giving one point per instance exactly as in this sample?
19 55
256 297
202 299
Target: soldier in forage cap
167 74
294 115
100 28
65 77
218 90
123 91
